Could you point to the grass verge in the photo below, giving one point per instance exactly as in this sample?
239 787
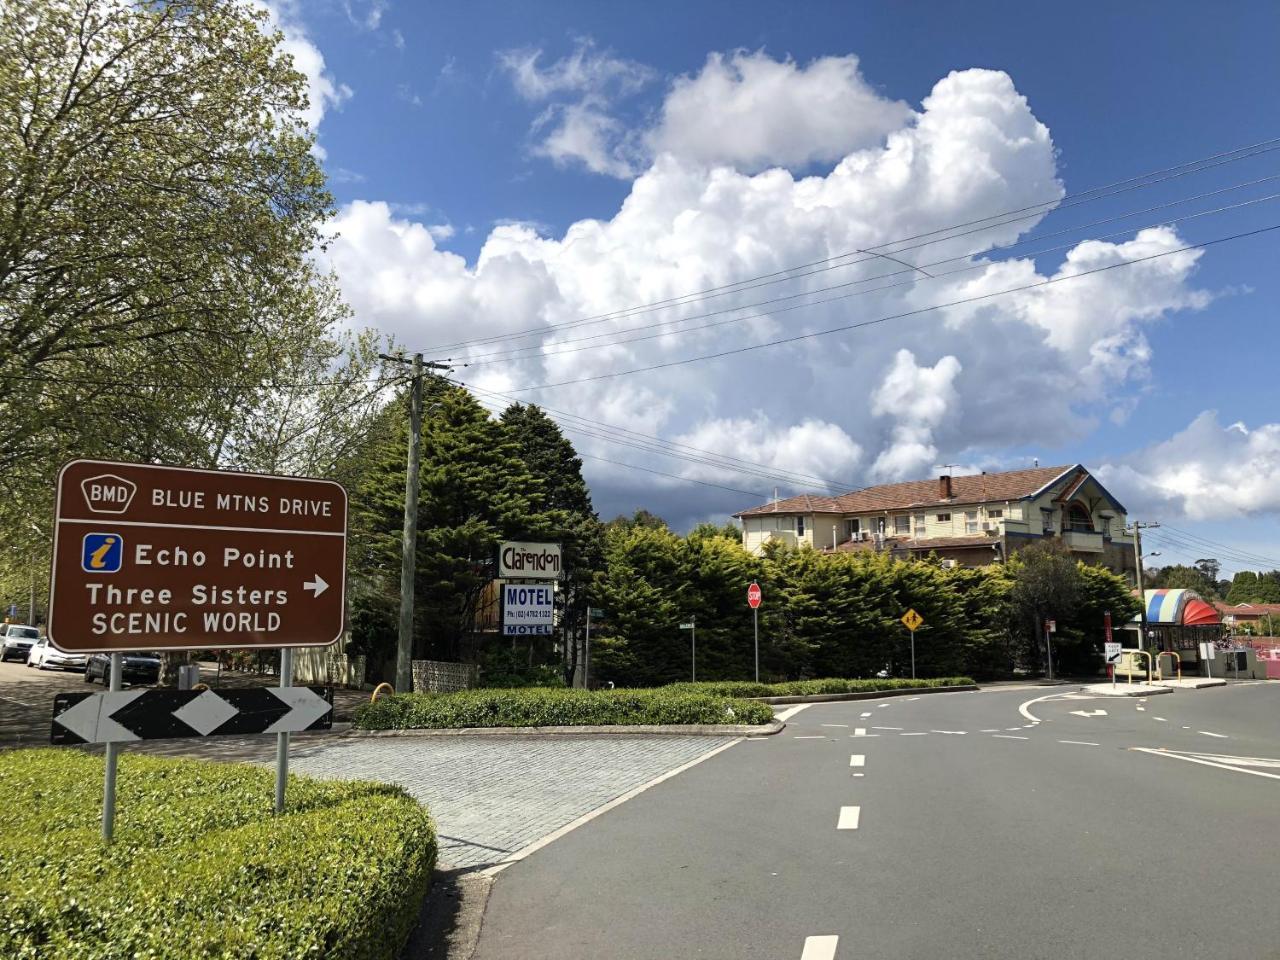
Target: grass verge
200 867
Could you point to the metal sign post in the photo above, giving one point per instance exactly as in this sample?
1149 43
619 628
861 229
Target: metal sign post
282 738
912 620
1050 626
692 627
754 596
113 756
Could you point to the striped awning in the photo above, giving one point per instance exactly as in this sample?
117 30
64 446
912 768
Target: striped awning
1179 608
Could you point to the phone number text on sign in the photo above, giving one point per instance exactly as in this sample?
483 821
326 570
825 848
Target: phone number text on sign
527 610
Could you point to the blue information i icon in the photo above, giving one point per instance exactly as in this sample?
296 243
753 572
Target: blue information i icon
103 552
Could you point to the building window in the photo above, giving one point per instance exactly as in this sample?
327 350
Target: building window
944 518
902 526
854 527
1015 513
971 521
799 526
920 524
1078 519
995 514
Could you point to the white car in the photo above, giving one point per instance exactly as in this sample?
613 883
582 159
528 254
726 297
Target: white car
16 641
45 655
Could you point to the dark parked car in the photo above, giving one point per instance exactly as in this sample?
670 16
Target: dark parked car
137 667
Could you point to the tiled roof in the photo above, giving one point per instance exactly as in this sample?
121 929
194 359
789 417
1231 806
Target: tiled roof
978 488
1248 609
904 543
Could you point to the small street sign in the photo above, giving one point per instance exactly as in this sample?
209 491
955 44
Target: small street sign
912 620
686 626
1112 653
1051 626
129 715
753 595
596 613
149 557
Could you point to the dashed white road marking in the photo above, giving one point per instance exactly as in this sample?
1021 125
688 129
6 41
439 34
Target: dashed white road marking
867 714
959 733
1220 736
819 948
849 818
857 760
858 774
881 704
1161 719
909 699
816 736
1082 743
1141 709
990 730
1008 736
860 732
886 728
845 725
1186 728
1013 728
921 734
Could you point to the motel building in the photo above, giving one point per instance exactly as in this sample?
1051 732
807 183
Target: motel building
966 520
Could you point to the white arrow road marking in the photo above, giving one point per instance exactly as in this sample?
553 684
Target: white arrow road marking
90 719
819 948
857 760
305 709
1089 713
849 818
206 713
318 585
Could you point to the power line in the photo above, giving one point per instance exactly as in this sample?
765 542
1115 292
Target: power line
1189 541
790 273
626 436
673 476
1194 551
537 350
978 298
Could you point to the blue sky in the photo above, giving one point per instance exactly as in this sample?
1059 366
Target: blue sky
448 115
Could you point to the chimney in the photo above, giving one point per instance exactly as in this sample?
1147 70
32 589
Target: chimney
944 487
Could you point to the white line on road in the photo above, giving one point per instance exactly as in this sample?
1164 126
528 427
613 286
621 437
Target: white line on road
1008 736
1022 709
790 712
858 774
886 728
845 725
857 759
860 731
23 702
1141 709
867 714
909 699
990 730
913 734
1207 763
1220 736
1013 728
592 814
849 818
816 736
819 948
881 704
1186 728
959 733
1161 719
1081 743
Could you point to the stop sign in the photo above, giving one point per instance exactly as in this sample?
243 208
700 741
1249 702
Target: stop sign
753 595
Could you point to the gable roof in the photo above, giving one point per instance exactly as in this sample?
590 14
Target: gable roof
976 488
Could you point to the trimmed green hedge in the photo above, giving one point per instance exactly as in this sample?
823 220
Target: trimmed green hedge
200 868
548 707
806 688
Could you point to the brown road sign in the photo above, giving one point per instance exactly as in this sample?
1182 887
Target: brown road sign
169 558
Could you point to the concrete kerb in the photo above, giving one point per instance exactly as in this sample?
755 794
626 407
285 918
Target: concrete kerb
1124 690
862 695
664 730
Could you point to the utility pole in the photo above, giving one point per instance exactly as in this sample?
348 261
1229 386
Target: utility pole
409 541
1138 527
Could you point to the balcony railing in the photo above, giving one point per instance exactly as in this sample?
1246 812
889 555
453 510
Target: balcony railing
1084 541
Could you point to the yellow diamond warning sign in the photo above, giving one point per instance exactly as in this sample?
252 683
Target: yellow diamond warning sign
912 620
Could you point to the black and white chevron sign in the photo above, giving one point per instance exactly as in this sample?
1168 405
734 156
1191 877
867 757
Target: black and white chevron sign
127 715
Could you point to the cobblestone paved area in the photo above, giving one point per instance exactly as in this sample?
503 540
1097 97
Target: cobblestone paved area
491 796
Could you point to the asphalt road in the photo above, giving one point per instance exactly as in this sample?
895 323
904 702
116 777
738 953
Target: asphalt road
978 825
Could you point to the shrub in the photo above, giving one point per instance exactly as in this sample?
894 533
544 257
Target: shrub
545 707
503 667
802 688
200 867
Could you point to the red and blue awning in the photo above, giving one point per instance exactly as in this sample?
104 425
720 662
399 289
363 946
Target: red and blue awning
1183 608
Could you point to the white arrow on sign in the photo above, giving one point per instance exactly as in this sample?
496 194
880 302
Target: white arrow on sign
305 708
1089 713
90 719
318 585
